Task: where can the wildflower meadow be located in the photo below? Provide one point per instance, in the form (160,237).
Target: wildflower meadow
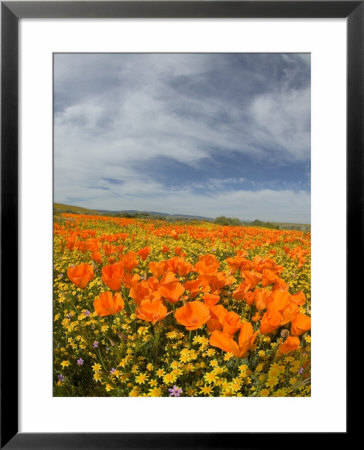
(150,308)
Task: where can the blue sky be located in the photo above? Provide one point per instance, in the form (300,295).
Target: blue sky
(205,134)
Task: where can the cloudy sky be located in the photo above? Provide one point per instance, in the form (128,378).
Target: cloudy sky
(202,134)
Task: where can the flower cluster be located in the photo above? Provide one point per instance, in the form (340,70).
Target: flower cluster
(151,308)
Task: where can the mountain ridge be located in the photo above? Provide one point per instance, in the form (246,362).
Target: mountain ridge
(70,208)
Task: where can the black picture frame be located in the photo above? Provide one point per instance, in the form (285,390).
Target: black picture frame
(11,12)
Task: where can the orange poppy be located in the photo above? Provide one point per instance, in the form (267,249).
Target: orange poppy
(96,257)
(231,323)
(144,252)
(170,288)
(207,265)
(269,277)
(217,315)
(291,344)
(218,312)
(213,324)
(81,275)
(278,300)
(238,262)
(271,320)
(129,261)
(252,278)
(196,286)
(300,324)
(106,303)
(168,277)
(249,297)
(261,297)
(266,263)
(179,251)
(109,249)
(246,338)
(193,315)
(143,290)
(289,312)
(92,245)
(217,282)
(112,274)
(71,240)
(240,291)
(226,342)
(228,281)
(299,298)
(129,279)
(80,245)
(157,268)
(151,310)
(179,266)
(210,299)
(139,291)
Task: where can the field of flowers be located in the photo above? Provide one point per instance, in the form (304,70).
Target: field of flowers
(145,307)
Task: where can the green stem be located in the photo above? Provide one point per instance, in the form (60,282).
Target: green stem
(156,343)
(101,359)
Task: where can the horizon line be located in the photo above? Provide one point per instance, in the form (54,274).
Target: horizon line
(180,214)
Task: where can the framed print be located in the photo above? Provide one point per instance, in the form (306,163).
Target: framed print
(171,161)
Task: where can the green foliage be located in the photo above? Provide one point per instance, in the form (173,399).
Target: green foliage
(222,220)
(259,223)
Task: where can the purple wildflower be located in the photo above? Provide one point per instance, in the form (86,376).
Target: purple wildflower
(175,391)
(112,370)
(300,370)
(87,312)
(60,377)
(80,362)
(95,344)
(60,275)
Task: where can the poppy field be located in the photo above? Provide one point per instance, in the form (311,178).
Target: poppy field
(151,308)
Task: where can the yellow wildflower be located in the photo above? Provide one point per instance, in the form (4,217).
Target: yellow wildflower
(169,378)
(96,367)
(97,376)
(206,390)
(155,392)
(140,379)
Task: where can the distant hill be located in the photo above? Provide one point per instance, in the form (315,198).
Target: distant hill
(60,208)
(155,213)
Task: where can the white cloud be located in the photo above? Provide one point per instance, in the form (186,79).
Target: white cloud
(282,122)
(114,114)
(147,194)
